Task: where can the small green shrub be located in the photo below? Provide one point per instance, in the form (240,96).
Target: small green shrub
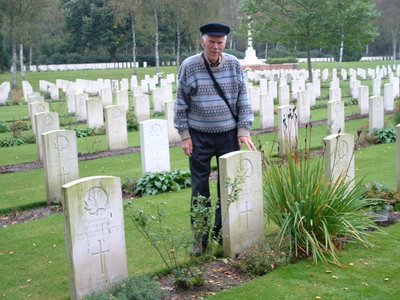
(4,127)
(262,258)
(155,183)
(385,135)
(133,288)
(17,126)
(23,139)
(89,132)
(351,101)
(281,60)
(171,245)
(131,123)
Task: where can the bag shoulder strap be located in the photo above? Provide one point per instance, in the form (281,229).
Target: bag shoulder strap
(218,87)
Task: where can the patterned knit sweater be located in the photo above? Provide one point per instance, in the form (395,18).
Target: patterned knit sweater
(198,104)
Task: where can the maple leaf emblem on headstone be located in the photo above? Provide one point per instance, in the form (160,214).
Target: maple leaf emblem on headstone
(96,200)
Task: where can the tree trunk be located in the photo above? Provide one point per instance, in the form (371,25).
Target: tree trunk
(133,43)
(178,45)
(310,77)
(21,61)
(156,40)
(266,51)
(14,61)
(341,52)
(30,55)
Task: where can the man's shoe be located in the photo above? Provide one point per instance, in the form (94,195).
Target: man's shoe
(198,249)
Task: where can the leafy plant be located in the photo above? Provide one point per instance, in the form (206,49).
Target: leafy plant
(131,123)
(89,132)
(155,183)
(262,258)
(4,127)
(17,126)
(315,215)
(133,288)
(23,139)
(169,244)
(385,135)
(380,196)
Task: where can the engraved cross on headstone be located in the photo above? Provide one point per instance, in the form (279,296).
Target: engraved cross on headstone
(102,254)
(63,174)
(245,211)
(158,158)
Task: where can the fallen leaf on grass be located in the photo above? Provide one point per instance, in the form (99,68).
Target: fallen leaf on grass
(386,279)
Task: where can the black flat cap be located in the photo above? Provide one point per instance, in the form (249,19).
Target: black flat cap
(215,29)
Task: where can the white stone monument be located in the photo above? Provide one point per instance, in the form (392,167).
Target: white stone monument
(116,129)
(154,146)
(339,157)
(243,218)
(44,122)
(60,161)
(94,234)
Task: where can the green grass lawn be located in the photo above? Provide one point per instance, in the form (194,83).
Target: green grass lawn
(33,255)
(33,260)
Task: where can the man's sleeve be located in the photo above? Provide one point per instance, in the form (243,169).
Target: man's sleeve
(182,105)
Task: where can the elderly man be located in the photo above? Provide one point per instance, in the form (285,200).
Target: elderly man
(213,115)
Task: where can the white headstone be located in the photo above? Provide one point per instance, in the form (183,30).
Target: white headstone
(303,107)
(243,219)
(106,96)
(35,108)
(95,115)
(273,89)
(116,130)
(70,97)
(154,146)
(335,94)
(396,87)
(284,95)
(266,111)
(94,234)
(376,87)
(142,107)
(336,118)
(363,102)
(60,161)
(287,128)
(376,113)
(44,122)
(122,99)
(388,96)
(4,91)
(173,135)
(26,88)
(339,157)
(80,106)
(254,95)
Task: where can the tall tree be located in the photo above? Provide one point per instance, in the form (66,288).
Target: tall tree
(389,22)
(288,21)
(92,24)
(351,23)
(311,24)
(18,15)
(128,9)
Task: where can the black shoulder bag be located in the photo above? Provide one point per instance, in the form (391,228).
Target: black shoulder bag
(218,88)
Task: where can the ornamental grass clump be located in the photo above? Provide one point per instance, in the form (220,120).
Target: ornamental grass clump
(315,215)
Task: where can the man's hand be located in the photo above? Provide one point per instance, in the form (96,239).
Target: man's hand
(187,147)
(247,141)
